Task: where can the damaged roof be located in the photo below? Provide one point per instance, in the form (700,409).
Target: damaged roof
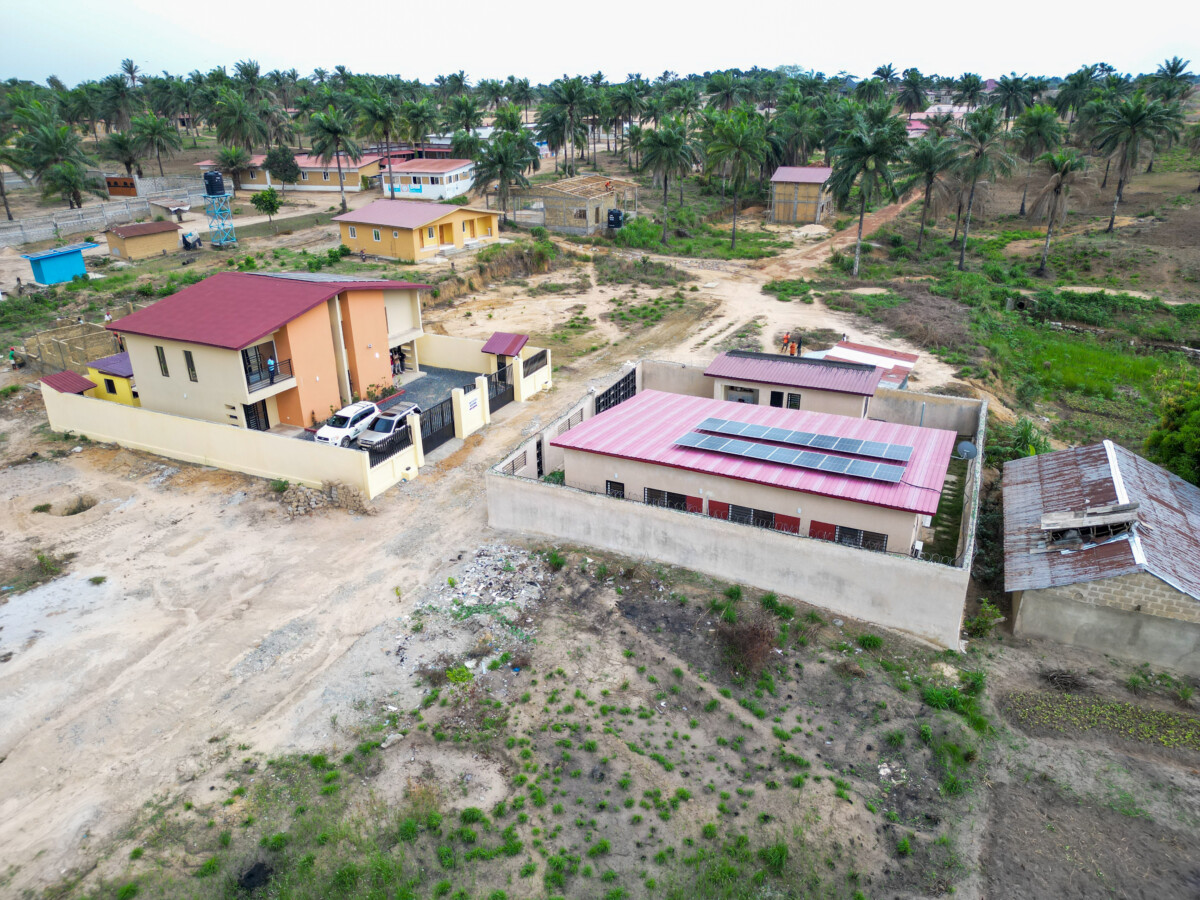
(1164,539)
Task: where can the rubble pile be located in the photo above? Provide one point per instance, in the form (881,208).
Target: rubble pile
(299,500)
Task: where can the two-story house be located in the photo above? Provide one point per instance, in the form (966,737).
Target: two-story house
(254,350)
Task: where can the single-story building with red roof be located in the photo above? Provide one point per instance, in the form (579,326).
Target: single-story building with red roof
(429,179)
(794,382)
(412,230)
(315,174)
(142,240)
(896,364)
(800,195)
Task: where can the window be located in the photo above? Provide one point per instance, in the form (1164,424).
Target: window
(670,500)
(395,234)
(162,362)
(430,229)
(435,180)
(793,401)
(856,537)
(597,215)
(253,175)
(615,489)
(464,227)
(777,398)
(375,233)
(191,365)
(110,386)
(304,176)
(353,232)
(745,515)
(324,176)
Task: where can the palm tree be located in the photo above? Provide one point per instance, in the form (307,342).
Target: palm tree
(569,97)
(725,91)
(927,161)
(628,105)
(332,135)
(1012,96)
(14,159)
(48,145)
(1066,168)
(912,96)
(117,101)
(1076,90)
(508,118)
(421,117)
(505,161)
(125,149)
(379,117)
(634,139)
(1037,131)
(983,155)
(237,120)
(968,90)
(130,70)
(157,136)
(870,90)
(466,145)
(864,157)
(551,129)
(492,92)
(234,160)
(1172,81)
(738,144)
(462,112)
(800,128)
(886,74)
(940,124)
(520,92)
(70,181)
(1126,128)
(668,152)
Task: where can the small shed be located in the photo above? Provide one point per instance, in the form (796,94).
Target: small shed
(58,265)
(112,377)
(174,208)
(143,240)
(68,382)
(576,205)
(799,195)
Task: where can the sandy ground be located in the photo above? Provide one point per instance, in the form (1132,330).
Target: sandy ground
(220,617)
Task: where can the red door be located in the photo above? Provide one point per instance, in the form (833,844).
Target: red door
(822,531)
(694,504)
(790,524)
(718,510)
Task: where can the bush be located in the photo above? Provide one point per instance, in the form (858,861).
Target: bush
(538,233)
(981,624)
(555,560)
(870,641)
(279,485)
(749,643)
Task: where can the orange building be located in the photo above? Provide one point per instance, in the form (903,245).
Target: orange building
(256,351)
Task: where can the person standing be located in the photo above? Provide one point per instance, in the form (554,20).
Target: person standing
(271,368)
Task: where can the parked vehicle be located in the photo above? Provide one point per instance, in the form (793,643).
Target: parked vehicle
(347,424)
(387,427)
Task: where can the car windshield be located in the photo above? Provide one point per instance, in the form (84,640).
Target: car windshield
(338,422)
(384,425)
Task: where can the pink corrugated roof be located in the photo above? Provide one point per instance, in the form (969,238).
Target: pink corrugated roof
(645,429)
(68,382)
(1165,541)
(401,213)
(436,166)
(235,309)
(802,174)
(796,371)
(502,343)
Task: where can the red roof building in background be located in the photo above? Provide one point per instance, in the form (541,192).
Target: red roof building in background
(797,372)
(896,365)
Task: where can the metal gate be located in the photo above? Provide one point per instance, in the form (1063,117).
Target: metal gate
(437,425)
(500,388)
(618,393)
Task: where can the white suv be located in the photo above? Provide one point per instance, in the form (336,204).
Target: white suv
(347,424)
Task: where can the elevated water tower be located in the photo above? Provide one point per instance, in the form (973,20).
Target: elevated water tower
(220,215)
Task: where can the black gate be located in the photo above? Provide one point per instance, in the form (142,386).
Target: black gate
(618,393)
(500,388)
(437,426)
(256,416)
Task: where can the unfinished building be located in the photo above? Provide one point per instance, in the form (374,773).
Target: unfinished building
(576,205)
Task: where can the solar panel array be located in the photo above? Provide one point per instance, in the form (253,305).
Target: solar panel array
(853,446)
(801,459)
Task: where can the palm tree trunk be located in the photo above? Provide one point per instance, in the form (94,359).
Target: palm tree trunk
(962,248)
(158,155)
(1107,166)
(924,211)
(4,198)
(733,242)
(664,211)
(957,220)
(1041,269)
(1025,190)
(387,147)
(1112,219)
(862,212)
(341,183)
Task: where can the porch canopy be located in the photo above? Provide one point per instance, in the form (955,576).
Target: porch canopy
(501,343)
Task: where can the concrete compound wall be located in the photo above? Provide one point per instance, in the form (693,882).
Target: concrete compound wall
(914,596)
(674,378)
(1137,617)
(957,414)
(236,449)
(445,352)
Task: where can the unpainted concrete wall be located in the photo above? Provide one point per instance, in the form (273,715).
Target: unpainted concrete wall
(1103,616)
(921,598)
(674,378)
(957,414)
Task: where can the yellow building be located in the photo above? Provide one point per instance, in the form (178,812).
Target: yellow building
(800,195)
(315,174)
(143,240)
(113,377)
(411,230)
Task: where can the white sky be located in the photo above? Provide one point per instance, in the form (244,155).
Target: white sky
(77,40)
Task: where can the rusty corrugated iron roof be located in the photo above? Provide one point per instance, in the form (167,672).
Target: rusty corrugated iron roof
(1164,541)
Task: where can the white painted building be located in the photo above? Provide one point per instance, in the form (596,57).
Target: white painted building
(432,179)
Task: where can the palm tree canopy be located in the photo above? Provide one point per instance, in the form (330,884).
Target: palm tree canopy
(332,134)
(1065,169)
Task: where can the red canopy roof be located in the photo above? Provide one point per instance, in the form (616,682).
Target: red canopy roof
(796,371)
(646,427)
(504,344)
(235,309)
(68,382)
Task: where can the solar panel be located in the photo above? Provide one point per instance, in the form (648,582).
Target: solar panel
(851,446)
(800,459)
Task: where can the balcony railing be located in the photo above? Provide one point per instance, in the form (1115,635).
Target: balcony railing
(264,377)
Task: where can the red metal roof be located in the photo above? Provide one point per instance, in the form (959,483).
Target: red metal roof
(401,213)
(1164,542)
(117,364)
(68,382)
(235,309)
(802,174)
(435,166)
(305,161)
(645,428)
(796,371)
(896,365)
(128,231)
(504,344)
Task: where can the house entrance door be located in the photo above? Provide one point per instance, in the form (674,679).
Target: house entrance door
(256,416)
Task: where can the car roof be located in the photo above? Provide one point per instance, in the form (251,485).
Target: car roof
(356,407)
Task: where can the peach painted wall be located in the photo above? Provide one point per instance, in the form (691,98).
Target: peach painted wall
(364,326)
(306,342)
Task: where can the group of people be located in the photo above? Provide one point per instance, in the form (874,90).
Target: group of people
(791,348)
(399,363)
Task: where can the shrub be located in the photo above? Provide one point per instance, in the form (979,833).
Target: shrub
(209,867)
(555,560)
(409,829)
(127,891)
(42,508)
(894,739)
(600,848)
(279,485)
(749,643)
(275,842)
(870,641)
(981,624)
(903,847)
(538,233)
(774,857)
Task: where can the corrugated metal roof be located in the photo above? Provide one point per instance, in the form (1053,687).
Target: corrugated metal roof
(235,309)
(796,371)
(502,343)
(128,231)
(645,428)
(435,166)
(68,382)
(1165,541)
(401,213)
(59,251)
(117,364)
(802,174)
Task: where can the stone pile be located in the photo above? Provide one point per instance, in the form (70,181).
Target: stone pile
(299,500)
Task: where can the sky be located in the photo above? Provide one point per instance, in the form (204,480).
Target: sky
(78,41)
